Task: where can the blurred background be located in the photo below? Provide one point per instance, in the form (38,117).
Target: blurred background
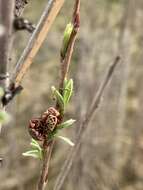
(111,153)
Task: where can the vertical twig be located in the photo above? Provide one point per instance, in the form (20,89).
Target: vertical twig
(67,59)
(6,20)
(47,151)
(64,71)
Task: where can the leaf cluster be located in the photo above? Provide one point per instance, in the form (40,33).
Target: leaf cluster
(62,100)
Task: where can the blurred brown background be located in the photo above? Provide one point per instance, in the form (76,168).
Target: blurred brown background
(111,154)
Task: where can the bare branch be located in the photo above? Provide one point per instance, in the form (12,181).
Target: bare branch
(44,173)
(95,103)
(6,20)
(99,93)
(64,71)
(38,37)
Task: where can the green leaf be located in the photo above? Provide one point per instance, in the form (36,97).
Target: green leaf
(59,97)
(35,145)
(36,150)
(33,153)
(4,117)
(34,142)
(66,124)
(65,82)
(65,139)
(67,35)
(68,90)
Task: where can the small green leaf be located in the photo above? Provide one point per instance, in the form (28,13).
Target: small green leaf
(35,145)
(68,90)
(36,150)
(66,124)
(59,97)
(34,141)
(33,153)
(4,117)
(65,82)
(67,35)
(65,139)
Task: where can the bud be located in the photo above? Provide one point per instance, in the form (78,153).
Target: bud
(40,128)
(67,35)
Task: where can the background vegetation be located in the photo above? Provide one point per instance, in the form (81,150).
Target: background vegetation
(111,153)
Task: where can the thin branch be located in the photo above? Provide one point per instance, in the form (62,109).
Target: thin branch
(66,62)
(46,161)
(67,59)
(99,93)
(6,20)
(64,71)
(95,104)
(38,37)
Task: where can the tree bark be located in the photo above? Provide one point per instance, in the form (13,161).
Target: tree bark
(6,20)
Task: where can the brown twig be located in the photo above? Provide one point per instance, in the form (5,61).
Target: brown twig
(52,9)
(99,93)
(95,103)
(9,9)
(67,59)
(46,161)
(6,39)
(64,71)
(6,20)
